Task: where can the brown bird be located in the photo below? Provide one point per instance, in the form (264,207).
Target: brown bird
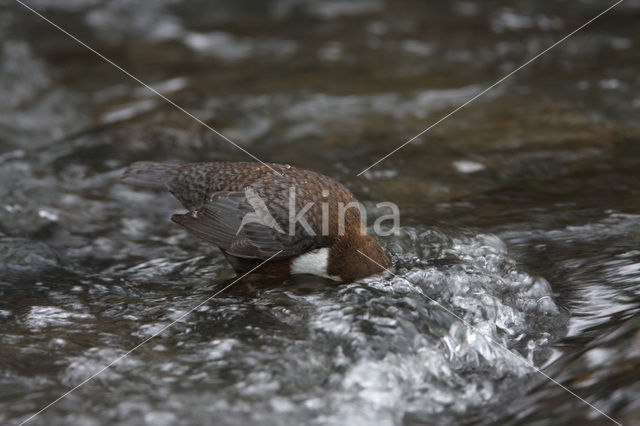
(303,222)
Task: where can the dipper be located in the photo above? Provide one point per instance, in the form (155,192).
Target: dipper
(307,221)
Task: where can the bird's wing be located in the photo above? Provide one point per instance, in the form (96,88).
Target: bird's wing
(243,226)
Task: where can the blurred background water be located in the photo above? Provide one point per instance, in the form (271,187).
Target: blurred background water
(520,213)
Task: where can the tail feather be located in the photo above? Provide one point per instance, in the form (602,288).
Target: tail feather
(148,174)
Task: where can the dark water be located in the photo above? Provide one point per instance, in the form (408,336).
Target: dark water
(520,213)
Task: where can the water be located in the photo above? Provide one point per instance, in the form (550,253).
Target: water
(519,214)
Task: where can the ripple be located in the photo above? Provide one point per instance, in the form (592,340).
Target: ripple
(41,317)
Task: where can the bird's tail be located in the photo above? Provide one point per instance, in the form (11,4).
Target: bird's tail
(148,174)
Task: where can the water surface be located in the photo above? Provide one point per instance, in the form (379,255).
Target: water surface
(520,214)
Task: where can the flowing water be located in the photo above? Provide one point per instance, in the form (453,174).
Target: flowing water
(520,214)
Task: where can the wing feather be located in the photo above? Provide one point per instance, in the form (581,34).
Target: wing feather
(222,221)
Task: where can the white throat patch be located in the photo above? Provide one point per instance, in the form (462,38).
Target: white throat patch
(314,262)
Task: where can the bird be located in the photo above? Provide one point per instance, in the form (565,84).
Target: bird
(268,218)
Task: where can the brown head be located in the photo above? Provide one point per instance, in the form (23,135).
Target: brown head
(354,256)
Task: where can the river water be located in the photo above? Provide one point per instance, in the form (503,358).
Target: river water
(520,213)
